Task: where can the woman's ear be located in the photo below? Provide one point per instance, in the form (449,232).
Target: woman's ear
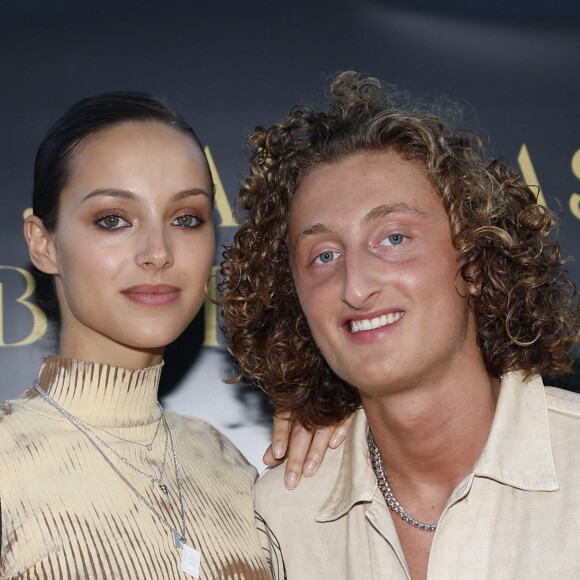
(41,246)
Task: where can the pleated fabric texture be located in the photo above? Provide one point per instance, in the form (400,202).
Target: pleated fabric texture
(67,514)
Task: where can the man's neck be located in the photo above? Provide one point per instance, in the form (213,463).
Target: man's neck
(432,435)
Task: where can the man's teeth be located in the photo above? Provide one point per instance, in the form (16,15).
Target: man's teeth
(370,324)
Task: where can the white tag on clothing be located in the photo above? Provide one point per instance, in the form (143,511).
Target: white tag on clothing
(190,561)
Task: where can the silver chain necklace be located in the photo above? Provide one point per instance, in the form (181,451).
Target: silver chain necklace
(386,490)
(148,446)
(179,537)
(88,430)
(154,480)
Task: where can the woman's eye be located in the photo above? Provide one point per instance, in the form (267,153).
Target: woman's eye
(326,257)
(112,222)
(186,221)
(393,240)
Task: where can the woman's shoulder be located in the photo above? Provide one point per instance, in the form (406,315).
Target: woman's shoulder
(204,440)
(15,419)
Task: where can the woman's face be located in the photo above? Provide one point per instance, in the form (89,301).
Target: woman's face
(134,243)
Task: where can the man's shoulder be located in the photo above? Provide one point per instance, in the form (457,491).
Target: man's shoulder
(562,402)
(272,496)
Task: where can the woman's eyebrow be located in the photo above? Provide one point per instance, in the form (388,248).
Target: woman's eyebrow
(126,194)
(110,192)
(191,193)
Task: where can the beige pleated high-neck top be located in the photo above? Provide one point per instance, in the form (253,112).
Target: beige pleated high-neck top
(66,513)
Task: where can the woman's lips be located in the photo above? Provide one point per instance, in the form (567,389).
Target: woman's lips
(152,294)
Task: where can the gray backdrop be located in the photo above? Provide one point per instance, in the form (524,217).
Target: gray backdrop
(231,65)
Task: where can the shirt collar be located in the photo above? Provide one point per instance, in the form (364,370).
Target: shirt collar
(518,451)
(355,481)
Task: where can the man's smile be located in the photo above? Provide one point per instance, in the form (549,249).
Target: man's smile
(372,323)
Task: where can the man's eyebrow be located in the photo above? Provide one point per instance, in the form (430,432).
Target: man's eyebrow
(126,194)
(391,208)
(374,214)
(311,231)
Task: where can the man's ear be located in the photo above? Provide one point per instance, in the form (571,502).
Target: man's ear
(474,289)
(41,246)
(474,273)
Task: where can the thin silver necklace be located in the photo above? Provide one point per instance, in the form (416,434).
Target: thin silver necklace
(179,537)
(154,480)
(386,490)
(85,427)
(88,430)
(148,446)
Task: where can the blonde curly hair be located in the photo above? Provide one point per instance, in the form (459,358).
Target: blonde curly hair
(526,310)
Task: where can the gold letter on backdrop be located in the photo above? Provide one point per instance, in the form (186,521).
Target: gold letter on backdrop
(38,316)
(529,173)
(227,220)
(210,312)
(221,199)
(575,197)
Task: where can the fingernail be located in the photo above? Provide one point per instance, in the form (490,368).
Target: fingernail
(278,450)
(335,441)
(309,468)
(291,480)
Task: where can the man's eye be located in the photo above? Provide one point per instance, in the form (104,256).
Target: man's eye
(326,257)
(393,240)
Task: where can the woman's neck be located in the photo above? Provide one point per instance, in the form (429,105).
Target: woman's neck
(111,353)
(101,394)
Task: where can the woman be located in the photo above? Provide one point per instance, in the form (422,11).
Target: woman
(97,480)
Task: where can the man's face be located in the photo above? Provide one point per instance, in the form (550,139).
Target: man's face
(377,275)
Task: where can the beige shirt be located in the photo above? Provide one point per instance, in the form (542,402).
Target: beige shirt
(516,516)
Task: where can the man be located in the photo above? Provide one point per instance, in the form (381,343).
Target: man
(385,263)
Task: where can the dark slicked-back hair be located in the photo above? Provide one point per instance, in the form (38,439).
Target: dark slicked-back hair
(526,310)
(78,124)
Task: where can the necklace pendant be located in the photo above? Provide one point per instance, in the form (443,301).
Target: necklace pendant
(178,539)
(190,561)
(149,447)
(165,491)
